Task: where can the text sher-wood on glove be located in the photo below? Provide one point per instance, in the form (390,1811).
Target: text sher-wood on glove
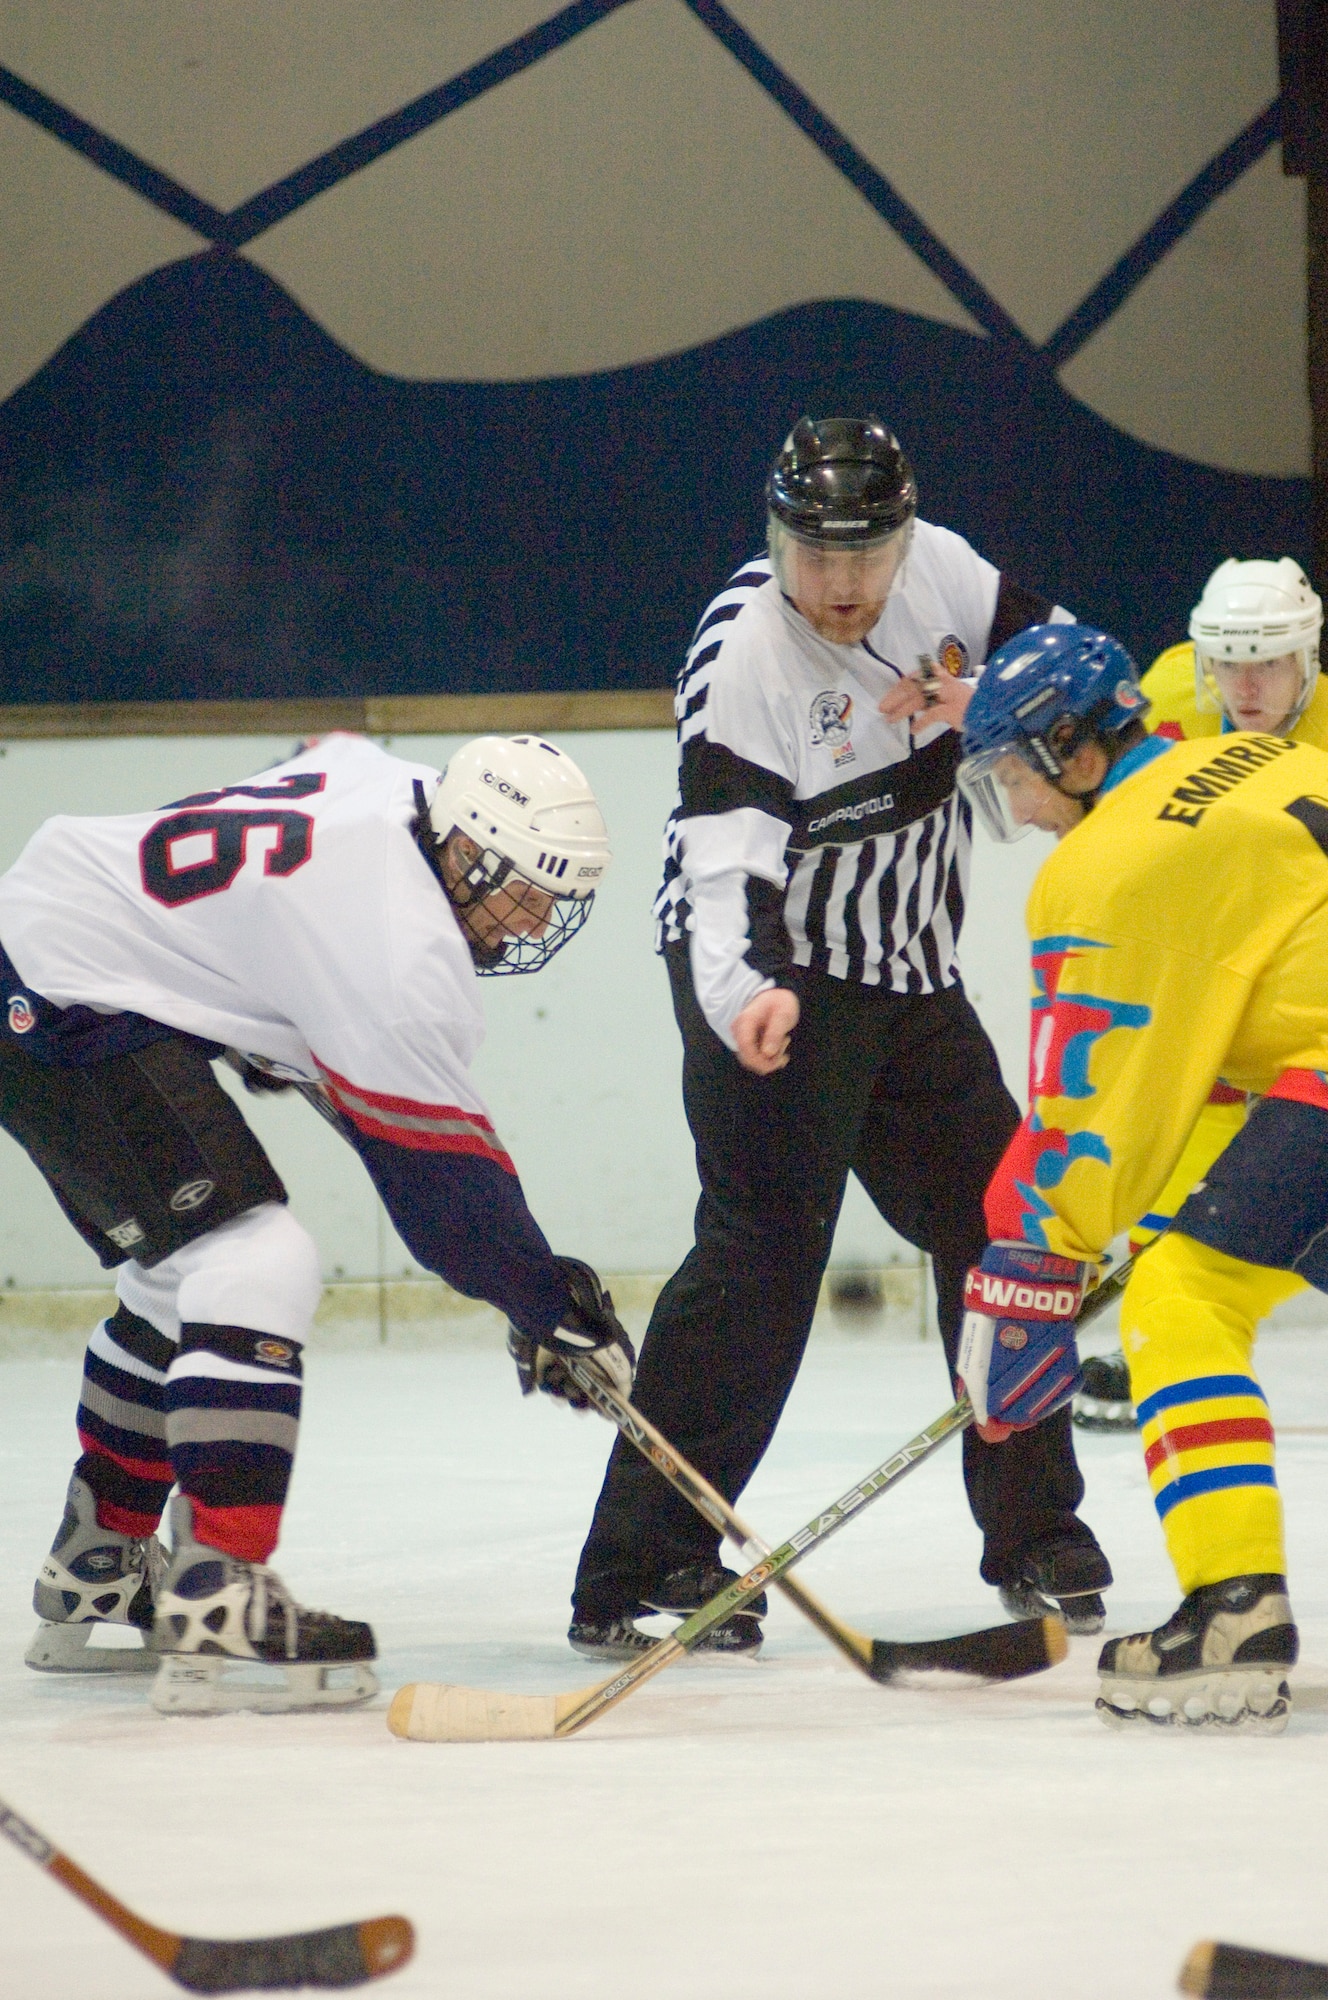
(1017,1354)
(589,1329)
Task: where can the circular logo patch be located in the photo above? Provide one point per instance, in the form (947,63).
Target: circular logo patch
(274,1351)
(1013,1336)
(21,1015)
(192,1195)
(831,717)
(952,655)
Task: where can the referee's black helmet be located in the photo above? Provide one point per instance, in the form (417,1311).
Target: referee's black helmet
(842,481)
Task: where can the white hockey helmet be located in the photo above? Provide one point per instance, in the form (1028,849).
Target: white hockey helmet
(534,818)
(1253,611)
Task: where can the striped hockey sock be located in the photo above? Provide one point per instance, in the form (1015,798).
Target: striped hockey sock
(122,1423)
(232,1417)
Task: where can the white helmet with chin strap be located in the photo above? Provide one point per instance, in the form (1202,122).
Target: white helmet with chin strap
(1253,611)
(533,816)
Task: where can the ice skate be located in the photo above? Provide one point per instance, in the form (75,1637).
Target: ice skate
(231,1636)
(1062,1580)
(683,1591)
(1219,1662)
(94,1596)
(1102,1402)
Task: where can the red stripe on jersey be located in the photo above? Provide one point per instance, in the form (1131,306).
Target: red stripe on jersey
(1171,730)
(1302,1086)
(1197,1437)
(410,1122)
(1226,1093)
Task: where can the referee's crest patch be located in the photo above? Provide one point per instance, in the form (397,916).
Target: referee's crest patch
(831,719)
(952,655)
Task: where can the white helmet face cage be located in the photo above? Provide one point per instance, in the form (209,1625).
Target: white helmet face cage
(1252,612)
(543,846)
(558,918)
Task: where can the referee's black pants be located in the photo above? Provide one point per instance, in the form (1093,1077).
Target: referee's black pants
(903,1089)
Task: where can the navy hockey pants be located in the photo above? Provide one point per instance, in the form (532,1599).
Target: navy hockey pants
(903,1090)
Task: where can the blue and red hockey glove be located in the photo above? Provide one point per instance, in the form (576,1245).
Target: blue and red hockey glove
(1017,1357)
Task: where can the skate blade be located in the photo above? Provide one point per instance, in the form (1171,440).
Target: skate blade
(220,1684)
(1252,1701)
(1080,1623)
(91,1648)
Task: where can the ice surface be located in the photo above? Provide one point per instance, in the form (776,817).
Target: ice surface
(758,1832)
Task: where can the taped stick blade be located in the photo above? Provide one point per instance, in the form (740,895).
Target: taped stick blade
(437,1712)
(998,1653)
(1237,1972)
(345,1955)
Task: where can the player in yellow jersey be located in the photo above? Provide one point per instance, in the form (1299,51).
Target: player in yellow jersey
(1251,662)
(1179,930)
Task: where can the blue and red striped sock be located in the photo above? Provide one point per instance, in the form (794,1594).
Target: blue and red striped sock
(122,1423)
(232,1405)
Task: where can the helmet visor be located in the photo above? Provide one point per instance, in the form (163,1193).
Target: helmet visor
(1008,795)
(822,573)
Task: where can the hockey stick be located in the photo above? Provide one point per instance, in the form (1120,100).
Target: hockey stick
(437,1712)
(989,1654)
(346,1955)
(1235,1972)
(434,1712)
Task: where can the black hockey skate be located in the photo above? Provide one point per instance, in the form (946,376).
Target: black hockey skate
(1219,1662)
(682,1592)
(1064,1580)
(94,1596)
(1102,1400)
(232,1637)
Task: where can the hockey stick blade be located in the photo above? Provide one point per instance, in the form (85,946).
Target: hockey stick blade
(345,1955)
(1236,1972)
(1002,1652)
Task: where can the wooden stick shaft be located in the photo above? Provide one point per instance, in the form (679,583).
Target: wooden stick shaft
(711,1504)
(162,1947)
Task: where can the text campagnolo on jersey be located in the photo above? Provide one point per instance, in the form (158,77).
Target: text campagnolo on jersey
(864,810)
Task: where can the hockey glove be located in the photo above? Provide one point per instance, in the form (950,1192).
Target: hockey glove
(589,1328)
(1017,1357)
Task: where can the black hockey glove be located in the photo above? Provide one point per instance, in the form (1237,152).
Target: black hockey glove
(589,1328)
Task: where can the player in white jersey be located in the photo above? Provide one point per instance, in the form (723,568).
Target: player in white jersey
(816,864)
(321,925)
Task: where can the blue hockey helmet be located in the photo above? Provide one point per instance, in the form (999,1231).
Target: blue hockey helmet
(1042,695)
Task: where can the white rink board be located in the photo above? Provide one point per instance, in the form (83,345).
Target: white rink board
(780,1830)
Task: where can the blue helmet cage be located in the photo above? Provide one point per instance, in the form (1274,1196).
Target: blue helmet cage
(1042,695)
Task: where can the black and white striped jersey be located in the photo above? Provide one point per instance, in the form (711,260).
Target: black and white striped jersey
(808,831)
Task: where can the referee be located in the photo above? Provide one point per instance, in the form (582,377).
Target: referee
(816,863)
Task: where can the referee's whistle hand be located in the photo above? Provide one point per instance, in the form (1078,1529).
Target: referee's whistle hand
(948,703)
(761,1032)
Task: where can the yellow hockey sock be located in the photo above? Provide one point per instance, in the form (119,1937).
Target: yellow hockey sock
(1188,1320)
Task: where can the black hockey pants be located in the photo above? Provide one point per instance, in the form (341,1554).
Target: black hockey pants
(906,1092)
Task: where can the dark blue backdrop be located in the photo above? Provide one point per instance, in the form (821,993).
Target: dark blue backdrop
(207,497)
